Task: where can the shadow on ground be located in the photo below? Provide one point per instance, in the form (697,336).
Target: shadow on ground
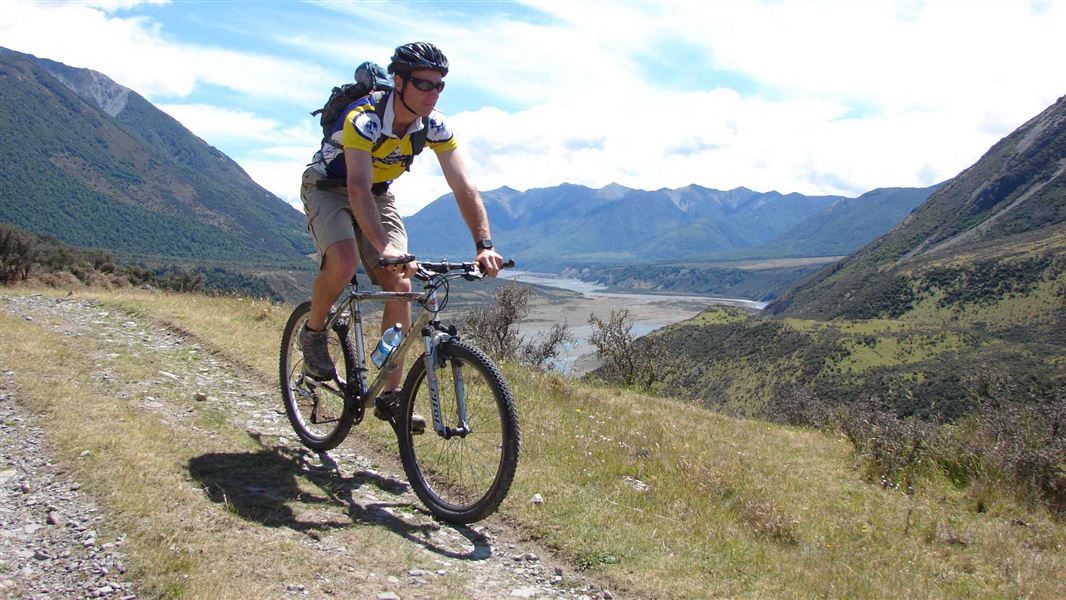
(265,487)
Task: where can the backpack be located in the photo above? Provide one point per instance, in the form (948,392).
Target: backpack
(370,79)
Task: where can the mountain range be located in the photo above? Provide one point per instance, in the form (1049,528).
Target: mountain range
(572,224)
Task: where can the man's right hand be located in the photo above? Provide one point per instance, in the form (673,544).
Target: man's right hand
(391,254)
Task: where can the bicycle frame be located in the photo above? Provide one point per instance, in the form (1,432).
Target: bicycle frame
(432,335)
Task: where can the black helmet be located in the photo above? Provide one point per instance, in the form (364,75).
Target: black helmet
(416,56)
(372,76)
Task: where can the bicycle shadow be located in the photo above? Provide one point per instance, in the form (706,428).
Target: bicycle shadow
(264,487)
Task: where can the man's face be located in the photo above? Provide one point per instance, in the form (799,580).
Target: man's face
(421,90)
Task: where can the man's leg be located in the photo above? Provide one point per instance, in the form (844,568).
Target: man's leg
(338,266)
(329,221)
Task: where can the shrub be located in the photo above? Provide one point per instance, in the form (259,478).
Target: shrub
(494,328)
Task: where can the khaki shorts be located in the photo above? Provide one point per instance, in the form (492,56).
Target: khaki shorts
(329,220)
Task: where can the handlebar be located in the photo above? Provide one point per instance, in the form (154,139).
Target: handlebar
(427,269)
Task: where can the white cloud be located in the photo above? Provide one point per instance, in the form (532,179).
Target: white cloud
(213,122)
(129,50)
(135,52)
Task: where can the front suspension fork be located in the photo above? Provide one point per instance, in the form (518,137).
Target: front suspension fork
(433,340)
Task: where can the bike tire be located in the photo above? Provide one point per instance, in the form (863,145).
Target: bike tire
(320,418)
(461,479)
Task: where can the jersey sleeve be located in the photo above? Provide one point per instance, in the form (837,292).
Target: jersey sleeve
(440,137)
(361,129)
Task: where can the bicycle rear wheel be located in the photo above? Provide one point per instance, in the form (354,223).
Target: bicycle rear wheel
(461,479)
(317,410)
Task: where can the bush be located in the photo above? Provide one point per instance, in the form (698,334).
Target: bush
(494,329)
(625,361)
(1013,447)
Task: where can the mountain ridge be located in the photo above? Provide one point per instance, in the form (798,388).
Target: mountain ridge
(136,183)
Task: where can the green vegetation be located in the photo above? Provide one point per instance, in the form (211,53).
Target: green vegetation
(25,256)
(926,389)
(138,185)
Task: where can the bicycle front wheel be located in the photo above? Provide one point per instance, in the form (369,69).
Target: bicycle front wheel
(317,410)
(461,478)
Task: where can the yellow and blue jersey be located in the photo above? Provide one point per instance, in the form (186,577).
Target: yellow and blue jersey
(362,127)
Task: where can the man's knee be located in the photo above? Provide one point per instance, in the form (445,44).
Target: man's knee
(341,258)
(392,281)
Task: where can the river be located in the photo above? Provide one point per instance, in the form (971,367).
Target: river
(648,312)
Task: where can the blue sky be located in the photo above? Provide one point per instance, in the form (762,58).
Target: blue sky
(810,97)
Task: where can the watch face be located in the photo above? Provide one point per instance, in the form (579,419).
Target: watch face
(484,245)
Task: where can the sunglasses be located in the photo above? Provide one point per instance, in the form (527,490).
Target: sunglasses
(426,85)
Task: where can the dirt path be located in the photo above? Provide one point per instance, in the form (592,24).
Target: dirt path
(47,525)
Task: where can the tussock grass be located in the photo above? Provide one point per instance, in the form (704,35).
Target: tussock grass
(659,498)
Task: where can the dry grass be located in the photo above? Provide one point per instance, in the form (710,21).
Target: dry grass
(732,508)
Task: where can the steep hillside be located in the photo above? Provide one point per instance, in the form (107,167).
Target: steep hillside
(959,309)
(996,229)
(104,168)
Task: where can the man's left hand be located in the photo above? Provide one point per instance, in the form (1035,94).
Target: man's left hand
(490,261)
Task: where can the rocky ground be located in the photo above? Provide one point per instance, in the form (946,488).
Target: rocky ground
(48,542)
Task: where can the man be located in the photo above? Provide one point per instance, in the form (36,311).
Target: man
(371,147)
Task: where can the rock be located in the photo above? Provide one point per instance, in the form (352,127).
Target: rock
(637,484)
(418,573)
(200,397)
(524,593)
(536,499)
(387,596)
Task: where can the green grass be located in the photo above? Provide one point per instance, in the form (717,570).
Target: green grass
(733,507)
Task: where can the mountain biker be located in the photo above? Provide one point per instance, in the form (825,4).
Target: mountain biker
(368,167)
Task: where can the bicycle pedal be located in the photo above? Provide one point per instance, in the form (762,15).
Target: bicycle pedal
(418,426)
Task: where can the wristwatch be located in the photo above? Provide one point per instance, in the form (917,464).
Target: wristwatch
(485,244)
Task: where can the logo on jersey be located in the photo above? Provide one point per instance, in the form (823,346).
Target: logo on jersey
(438,130)
(366,125)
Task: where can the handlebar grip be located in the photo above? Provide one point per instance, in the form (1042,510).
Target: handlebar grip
(508,265)
(406,258)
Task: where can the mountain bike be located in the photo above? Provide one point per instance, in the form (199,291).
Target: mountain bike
(463,467)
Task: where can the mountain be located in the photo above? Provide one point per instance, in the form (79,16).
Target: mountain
(619,225)
(995,232)
(94,164)
(848,225)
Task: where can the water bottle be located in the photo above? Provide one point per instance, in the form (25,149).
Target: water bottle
(389,341)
